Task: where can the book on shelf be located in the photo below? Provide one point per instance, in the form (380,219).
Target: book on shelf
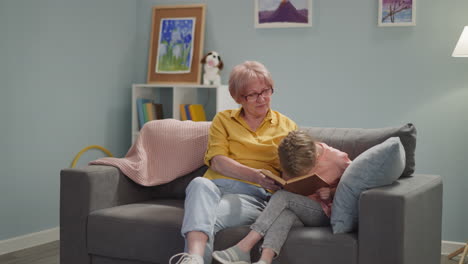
(147,110)
(187,111)
(194,112)
(145,114)
(183,115)
(159,114)
(303,185)
(150,111)
(141,115)
(197,112)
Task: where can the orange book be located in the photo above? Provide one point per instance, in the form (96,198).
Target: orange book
(150,110)
(183,114)
(197,112)
(303,185)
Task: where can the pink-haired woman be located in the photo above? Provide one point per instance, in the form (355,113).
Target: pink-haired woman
(233,191)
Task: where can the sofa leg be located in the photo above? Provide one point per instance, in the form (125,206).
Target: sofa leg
(457,252)
(464,254)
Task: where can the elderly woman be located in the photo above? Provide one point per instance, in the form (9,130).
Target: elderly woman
(241,142)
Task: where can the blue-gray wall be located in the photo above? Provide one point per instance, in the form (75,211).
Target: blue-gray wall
(66,68)
(347,72)
(69,64)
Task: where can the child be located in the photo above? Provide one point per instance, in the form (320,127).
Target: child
(299,154)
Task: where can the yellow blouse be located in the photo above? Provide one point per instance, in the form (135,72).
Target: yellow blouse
(230,136)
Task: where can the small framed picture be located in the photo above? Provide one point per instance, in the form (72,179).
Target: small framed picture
(397,13)
(176,44)
(283,13)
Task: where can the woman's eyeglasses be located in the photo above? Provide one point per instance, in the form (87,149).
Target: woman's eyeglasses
(254,96)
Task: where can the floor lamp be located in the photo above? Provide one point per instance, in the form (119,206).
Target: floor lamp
(461,50)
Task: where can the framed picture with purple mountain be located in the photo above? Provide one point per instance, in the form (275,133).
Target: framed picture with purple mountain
(283,13)
(397,13)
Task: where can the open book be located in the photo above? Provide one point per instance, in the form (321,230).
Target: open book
(304,185)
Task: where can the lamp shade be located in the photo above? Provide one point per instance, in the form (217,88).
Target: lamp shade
(461,49)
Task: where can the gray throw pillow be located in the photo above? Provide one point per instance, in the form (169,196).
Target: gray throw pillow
(377,166)
(355,141)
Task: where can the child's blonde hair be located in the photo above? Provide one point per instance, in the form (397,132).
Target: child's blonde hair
(297,153)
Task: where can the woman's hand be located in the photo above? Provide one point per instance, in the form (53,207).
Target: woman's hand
(324,193)
(234,169)
(266,182)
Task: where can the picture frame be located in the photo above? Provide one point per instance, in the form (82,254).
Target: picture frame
(397,13)
(176,44)
(282,13)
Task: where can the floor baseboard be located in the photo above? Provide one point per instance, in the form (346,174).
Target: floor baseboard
(29,240)
(450,246)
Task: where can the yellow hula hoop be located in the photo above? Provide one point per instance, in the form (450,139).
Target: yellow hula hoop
(77,157)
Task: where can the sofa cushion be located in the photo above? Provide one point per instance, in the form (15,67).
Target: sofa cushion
(176,188)
(375,167)
(319,245)
(304,245)
(354,141)
(148,231)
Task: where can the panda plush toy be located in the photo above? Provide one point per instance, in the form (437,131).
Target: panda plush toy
(212,64)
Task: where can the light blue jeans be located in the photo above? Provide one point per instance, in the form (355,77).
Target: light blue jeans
(213,205)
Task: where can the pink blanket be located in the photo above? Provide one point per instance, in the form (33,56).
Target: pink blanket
(165,150)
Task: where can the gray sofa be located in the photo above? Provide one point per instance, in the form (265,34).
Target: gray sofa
(106,218)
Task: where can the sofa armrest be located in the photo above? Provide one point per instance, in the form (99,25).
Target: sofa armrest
(84,190)
(401,223)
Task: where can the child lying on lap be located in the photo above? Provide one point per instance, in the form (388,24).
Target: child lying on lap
(299,154)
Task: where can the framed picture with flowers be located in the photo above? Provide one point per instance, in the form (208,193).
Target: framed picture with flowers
(176,44)
(397,13)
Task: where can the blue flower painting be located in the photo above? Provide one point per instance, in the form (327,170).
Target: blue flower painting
(175,50)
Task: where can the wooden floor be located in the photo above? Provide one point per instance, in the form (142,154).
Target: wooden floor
(43,254)
(49,254)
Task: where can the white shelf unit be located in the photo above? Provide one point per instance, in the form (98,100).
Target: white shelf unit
(213,98)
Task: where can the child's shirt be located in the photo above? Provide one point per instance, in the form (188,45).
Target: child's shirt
(331,164)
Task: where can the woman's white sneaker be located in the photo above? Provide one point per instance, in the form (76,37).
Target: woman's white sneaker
(185,258)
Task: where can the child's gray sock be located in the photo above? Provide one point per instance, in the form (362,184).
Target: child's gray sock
(232,254)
